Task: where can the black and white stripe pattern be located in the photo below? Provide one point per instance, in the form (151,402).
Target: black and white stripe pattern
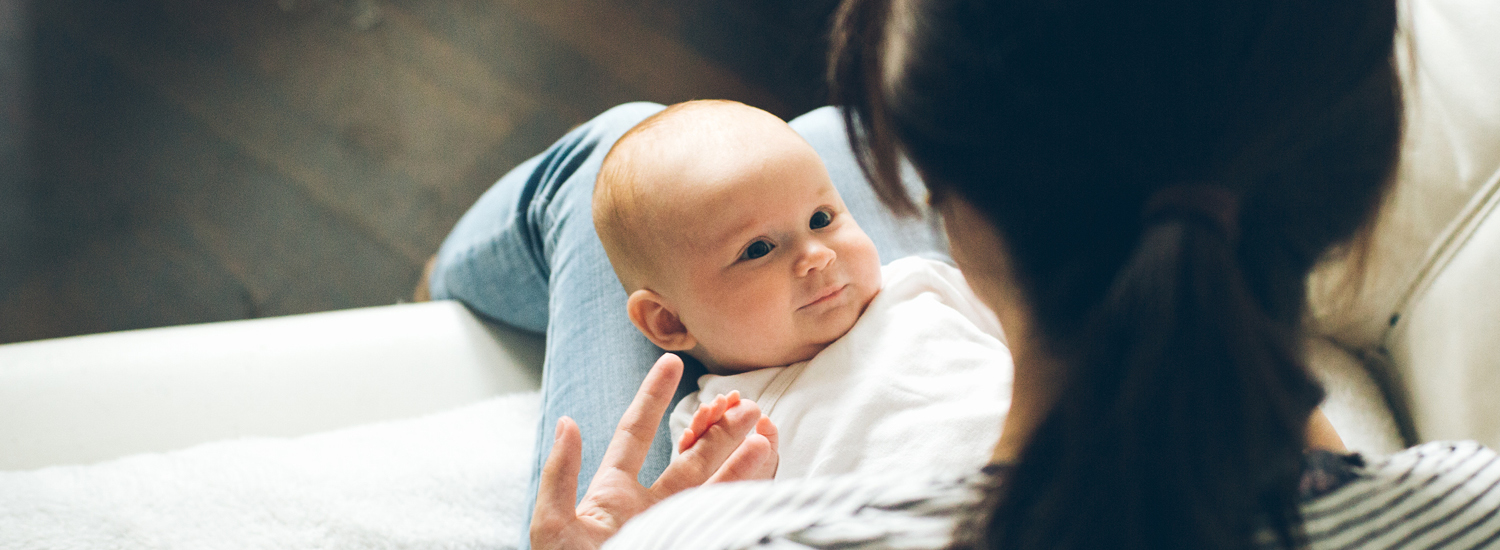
(1438,495)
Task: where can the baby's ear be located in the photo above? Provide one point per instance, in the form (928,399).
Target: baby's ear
(651,315)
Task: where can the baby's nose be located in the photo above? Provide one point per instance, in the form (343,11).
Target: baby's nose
(816,257)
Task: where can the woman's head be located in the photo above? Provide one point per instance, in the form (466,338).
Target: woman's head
(1062,125)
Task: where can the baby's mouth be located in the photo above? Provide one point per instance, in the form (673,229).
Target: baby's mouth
(827,295)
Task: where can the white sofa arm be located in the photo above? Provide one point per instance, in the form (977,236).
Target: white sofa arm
(90,398)
(1446,340)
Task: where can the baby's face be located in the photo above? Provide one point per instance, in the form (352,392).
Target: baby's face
(770,266)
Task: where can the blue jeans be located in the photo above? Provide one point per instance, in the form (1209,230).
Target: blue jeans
(526,255)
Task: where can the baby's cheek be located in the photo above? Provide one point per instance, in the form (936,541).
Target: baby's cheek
(858,244)
(753,315)
(867,261)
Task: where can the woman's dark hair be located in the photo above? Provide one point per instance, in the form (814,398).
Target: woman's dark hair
(1181,421)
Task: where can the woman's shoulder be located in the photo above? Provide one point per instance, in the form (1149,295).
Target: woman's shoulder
(823,512)
(1435,495)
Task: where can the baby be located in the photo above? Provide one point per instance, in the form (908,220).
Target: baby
(735,248)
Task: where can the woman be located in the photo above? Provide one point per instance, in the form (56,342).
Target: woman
(1139,191)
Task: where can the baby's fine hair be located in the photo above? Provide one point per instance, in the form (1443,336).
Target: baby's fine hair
(623,194)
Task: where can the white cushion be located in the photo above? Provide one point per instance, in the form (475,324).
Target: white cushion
(1446,344)
(90,398)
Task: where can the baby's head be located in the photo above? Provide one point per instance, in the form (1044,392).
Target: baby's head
(733,244)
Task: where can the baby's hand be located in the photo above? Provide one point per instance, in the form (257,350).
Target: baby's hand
(765,434)
(706,415)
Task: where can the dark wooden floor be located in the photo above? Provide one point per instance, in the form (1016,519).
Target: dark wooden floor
(184,161)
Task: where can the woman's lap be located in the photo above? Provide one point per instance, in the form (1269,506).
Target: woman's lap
(526,254)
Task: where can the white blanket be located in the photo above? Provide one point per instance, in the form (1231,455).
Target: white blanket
(450,480)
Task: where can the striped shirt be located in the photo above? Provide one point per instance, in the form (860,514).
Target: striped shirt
(1437,495)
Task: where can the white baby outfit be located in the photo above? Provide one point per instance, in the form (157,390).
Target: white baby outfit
(922,381)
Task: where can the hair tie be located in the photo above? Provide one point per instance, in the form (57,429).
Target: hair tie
(1216,206)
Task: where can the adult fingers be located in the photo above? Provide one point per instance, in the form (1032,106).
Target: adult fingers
(714,446)
(754,459)
(555,504)
(632,439)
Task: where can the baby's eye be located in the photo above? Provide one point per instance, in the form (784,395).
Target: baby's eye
(756,250)
(820,219)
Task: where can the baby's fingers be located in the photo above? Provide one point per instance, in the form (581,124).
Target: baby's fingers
(702,419)
(706,415)
(707,455)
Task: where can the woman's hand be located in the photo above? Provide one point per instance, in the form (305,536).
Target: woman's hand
(726,451)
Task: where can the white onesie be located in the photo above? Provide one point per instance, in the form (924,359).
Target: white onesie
(921,382)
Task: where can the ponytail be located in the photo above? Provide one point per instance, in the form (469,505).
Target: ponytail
(1182,417)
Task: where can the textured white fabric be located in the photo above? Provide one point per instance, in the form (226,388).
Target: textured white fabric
(926,362)
(450,480)
(1355,405)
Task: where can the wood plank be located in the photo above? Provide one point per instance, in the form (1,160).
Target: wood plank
(609,36)
(396,90)
(288,252)
(780,45)
(520,51)
(17,121)
(144,278)
(366,139)
(160,221)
